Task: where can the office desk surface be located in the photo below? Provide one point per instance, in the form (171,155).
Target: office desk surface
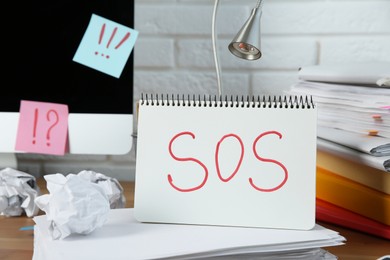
(16,244)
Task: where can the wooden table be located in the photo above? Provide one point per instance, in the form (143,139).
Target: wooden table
(16,244)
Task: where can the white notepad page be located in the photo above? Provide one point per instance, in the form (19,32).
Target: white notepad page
(247,163)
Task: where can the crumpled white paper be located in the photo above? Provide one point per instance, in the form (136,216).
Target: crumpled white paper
(74,205)
(111,187)
(384,82)
(18,191)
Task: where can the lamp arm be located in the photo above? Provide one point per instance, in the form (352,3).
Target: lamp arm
(215,51)
(239,46)
(259,4)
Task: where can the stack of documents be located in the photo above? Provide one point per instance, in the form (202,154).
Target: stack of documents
(369,150)
(123,237)
(353,103)
(355,108)
(353,143)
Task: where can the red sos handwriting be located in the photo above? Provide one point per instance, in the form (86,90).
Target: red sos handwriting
(217,163)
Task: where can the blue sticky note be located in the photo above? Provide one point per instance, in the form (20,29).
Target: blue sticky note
(106,46)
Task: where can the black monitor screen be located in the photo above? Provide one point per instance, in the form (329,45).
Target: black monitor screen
(41,38)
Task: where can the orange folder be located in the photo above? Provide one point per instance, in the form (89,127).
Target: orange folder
(353,196)
(358,172)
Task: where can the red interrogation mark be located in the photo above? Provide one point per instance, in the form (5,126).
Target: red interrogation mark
(127,35)
(51,111)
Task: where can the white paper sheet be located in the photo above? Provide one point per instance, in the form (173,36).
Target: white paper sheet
(373,145)
(122,237)
(381,163)
(352,73)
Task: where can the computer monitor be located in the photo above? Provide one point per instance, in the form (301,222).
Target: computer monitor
(42,38)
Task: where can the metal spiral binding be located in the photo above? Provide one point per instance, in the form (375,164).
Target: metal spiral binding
(265,101)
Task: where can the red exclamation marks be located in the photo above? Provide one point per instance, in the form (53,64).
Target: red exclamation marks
(112,36)
(101,35)
(123,40)
(101,38)
(35,125)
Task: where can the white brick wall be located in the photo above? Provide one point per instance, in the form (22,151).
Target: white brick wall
(174,55)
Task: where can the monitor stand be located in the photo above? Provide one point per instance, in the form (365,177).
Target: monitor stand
(8,160)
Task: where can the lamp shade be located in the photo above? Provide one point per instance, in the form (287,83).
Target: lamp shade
(246,44)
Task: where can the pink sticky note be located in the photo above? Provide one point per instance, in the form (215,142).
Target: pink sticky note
(43,128)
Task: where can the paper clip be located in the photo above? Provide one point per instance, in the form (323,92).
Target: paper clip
(373,132)
(377,117)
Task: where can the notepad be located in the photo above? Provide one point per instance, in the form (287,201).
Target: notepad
(230,161)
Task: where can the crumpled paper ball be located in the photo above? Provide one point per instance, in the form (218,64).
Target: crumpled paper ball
(18,191)
(74,205)
(111,187)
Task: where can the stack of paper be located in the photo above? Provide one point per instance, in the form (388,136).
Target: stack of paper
(353,108)
(123,237)
(353,143)
(362,149)
(365,73)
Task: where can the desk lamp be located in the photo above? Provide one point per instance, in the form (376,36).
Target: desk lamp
(246,44)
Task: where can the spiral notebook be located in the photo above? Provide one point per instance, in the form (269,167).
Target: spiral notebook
(229,161)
